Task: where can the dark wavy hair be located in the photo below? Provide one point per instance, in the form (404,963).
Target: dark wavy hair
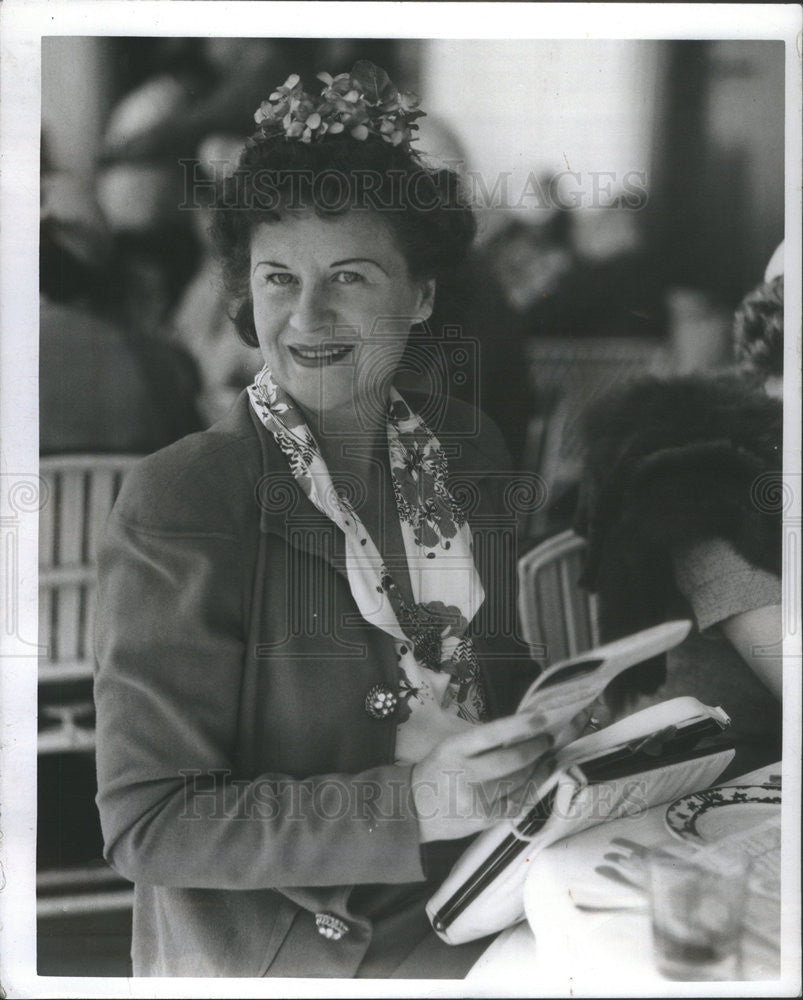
(758,329)
(426,208)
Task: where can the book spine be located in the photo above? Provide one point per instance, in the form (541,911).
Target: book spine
(497,861)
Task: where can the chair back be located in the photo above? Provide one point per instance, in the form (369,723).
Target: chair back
(80,492)
(558,619)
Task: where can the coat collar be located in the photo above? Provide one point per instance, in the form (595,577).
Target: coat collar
(286,511)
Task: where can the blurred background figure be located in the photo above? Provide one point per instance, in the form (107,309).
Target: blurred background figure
(201,324)
(101,388)
(676,504)
(556,290)
(473,327)
(758,335)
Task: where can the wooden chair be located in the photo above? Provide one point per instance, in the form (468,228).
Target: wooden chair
(80,492)
(558,619)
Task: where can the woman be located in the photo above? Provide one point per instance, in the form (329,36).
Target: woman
(291,671)
(682,505)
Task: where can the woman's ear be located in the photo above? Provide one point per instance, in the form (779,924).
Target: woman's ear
(427,301)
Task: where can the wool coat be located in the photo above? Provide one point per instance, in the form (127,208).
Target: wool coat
(241,780)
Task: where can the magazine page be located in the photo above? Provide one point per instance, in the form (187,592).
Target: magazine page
(566,688)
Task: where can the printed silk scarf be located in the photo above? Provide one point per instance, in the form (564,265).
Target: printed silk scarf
(440,690)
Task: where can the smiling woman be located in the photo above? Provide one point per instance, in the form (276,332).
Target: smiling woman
(296,694)
(333,302)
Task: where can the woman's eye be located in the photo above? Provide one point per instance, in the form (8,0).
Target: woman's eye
(348,277)
(279,278)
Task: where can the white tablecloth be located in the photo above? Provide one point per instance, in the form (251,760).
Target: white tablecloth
(567,951)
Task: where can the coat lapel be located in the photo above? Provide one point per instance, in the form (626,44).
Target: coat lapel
(286,511)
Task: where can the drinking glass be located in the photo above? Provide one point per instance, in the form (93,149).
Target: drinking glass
(697,906)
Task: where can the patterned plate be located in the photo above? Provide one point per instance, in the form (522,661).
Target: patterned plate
(710,815)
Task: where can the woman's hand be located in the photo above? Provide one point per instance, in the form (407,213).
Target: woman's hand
(471,781)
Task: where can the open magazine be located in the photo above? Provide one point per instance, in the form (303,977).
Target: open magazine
(649,757)
(566,688)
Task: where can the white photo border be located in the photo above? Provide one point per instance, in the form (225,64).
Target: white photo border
(22,25)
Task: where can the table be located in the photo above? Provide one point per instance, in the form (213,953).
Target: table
(567,951)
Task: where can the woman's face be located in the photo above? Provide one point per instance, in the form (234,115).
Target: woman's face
(333,306)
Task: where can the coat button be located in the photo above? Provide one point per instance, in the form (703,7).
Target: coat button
(330,926)
(380,701)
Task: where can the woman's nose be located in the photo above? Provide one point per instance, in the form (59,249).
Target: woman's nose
(313,310)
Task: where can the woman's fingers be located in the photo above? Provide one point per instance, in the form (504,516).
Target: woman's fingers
(462,785)
(574,727)
(509,797)
(500,734)
(505,761)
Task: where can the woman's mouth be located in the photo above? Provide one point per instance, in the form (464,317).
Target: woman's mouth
(316,357)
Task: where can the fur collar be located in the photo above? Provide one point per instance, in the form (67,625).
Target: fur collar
(670,462)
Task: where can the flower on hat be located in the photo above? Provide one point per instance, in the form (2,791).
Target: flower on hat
(363,102)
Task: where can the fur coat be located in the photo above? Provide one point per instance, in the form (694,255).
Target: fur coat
(669,463)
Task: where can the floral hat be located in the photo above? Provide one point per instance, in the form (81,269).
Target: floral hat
(361,103)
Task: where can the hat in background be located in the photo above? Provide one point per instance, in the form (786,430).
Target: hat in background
(138,196)
(219,153)
(775,266)
(152,104)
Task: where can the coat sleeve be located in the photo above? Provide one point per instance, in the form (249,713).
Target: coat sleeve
(169,648)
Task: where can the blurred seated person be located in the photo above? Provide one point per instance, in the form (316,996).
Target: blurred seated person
(156,250)
(550,293)
(556,290)
(100,390)
(680,502)
(758,336)
(471,349)
(476,337)
(201,324)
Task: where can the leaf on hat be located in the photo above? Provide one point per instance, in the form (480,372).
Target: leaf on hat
(374,82)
